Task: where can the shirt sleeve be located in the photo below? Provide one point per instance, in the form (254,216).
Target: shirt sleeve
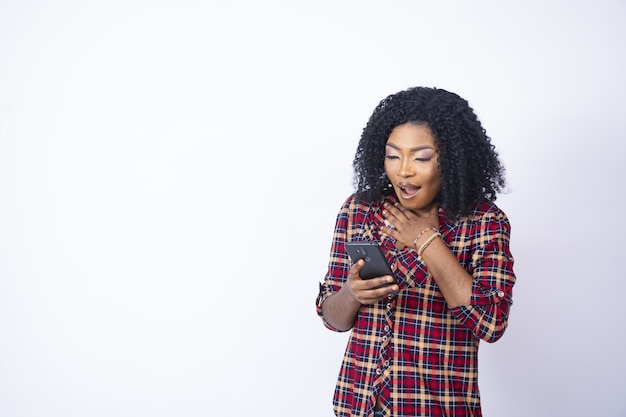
(338,264)
(493,278)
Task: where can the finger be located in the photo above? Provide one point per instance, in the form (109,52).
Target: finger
(381,281)
(390,212)
(394,217)
(384,289)
(403,213)
(397,210)
(356,267)
(389,231)
(381,291)
(391,221)
(373,284)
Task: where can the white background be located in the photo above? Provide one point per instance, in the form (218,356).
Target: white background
(170,172)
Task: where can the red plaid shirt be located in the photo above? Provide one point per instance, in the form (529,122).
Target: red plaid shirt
(412,351)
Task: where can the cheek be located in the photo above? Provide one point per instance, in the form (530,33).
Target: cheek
(437,186)
(434,180)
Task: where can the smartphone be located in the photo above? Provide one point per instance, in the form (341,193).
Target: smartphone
(375,262)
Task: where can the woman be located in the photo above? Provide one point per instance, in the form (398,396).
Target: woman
(426,175)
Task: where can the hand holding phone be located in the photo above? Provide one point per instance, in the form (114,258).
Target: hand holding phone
(375,262)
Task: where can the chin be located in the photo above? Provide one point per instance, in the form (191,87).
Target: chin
(410,204)
(415,205)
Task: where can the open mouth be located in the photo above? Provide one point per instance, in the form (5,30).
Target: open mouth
(408,190)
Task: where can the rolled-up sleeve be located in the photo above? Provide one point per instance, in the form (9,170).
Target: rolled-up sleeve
(324,292)
(339,263)
(492,270)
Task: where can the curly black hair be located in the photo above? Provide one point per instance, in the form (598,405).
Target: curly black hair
(471,171)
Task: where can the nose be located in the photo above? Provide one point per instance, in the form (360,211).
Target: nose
(405,169)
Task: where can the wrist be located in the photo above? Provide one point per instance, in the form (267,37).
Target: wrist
(348,297)
(423,236)
(427,243)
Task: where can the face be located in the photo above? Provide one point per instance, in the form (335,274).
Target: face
(411,164)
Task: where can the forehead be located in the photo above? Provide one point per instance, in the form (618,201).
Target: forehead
(411,136)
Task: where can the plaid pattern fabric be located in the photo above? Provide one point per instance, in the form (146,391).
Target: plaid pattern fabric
(412,351)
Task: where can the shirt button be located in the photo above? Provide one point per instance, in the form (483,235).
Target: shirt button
(388,306)
(386,363)
(384,338)
(500,293)
(387,328)
(378,372)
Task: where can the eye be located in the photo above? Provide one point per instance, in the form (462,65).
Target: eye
(392,157)
(424,156)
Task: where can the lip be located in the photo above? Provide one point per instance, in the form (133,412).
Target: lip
(408,190)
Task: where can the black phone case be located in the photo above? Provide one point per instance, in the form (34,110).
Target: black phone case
(375,262)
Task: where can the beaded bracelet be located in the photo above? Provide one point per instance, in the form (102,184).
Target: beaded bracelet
(421,233)
(428,242)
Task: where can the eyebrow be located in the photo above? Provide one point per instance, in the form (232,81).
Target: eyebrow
(417,148)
